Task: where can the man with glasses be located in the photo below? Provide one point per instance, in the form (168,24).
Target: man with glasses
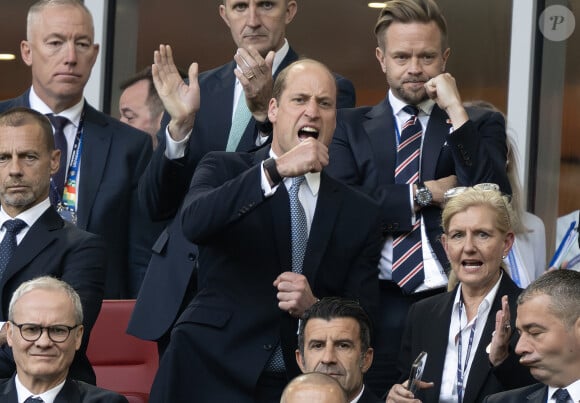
(406,152)
(34,239)
(45,330)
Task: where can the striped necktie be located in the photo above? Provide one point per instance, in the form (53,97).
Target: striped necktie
(407,252)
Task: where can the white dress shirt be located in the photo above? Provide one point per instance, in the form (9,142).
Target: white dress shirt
(47,397)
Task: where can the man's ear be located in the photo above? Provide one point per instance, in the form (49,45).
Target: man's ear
(367,360)
(26,52)
(299,360)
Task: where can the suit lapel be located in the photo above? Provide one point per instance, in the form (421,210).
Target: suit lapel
(326,212)
(221,87)
(538,396)
(69,393)
(380,129)
(433,142)
(437,349)
(38,237)
(96,143)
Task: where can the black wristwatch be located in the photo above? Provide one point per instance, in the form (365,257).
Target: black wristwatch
(270,166)
(423,196)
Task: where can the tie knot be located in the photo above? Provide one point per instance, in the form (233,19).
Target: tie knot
(14,226)
(561,396)
(296,182)
(59,122)
(411,110)
(32,399)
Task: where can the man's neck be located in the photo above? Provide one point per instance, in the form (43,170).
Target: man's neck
(37,386)
(55,104)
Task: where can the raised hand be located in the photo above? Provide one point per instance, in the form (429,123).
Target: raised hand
(255,75)
(179,99)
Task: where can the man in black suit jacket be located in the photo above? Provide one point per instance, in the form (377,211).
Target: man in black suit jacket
(455,150)
(259,33)
(44,331)
(334,337)
(229,343)
(113,155)
(549,325)
(47,245)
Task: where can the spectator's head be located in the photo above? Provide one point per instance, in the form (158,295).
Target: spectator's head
(258,24)
(45,329)
(313,387)
(27,159)
(140,105)
(303,105)
(59,49)
(549,325)
(412,46)
(334,338)
(477,234)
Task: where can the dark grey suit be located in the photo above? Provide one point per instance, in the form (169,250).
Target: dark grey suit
(71,392)
(113,157)
(537,393)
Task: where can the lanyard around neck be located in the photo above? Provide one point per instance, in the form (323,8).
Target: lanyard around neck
(461,371)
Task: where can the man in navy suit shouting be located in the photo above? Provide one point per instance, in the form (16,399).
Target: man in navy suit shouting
(275,233)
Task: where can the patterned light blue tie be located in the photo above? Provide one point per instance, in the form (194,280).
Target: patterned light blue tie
(407,251)
(561,396)
(299,229)
(298,225)
(8,244)
(240,121)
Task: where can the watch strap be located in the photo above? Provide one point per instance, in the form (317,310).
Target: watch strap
(270,166)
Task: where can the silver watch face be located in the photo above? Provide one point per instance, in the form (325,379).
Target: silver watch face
(423,197)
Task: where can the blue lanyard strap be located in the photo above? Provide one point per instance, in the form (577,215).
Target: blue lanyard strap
(460,370)
(514,268)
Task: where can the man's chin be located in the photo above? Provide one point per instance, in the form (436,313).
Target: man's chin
(411,97)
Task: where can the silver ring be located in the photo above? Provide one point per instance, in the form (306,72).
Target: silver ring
(250,76)
(507,326)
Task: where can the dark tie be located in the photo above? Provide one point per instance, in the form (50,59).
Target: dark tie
(59,123)
(298,225)
(407,254)
(561,396)
(34,400)
(8,244)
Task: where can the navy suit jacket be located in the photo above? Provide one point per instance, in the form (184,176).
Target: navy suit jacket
(229,330)
(369,397)
(170,281)
(537,393)
(363,154)
(113,157)
(55,247)
(427,329)
(72,392)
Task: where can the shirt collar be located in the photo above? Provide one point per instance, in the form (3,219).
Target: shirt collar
(573,389)
(312,178)
(48,396)
(426,106)
(73,114)
(357,398)
(487,301)
(29,216)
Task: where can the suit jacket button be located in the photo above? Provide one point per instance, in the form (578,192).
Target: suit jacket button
(191,257)
(267,347)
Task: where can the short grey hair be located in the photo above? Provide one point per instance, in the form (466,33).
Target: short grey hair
(40,5)
(52,284)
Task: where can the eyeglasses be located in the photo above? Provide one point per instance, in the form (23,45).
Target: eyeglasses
(451,193)
(56,333)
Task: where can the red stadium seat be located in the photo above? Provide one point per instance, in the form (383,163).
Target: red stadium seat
(122,363)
